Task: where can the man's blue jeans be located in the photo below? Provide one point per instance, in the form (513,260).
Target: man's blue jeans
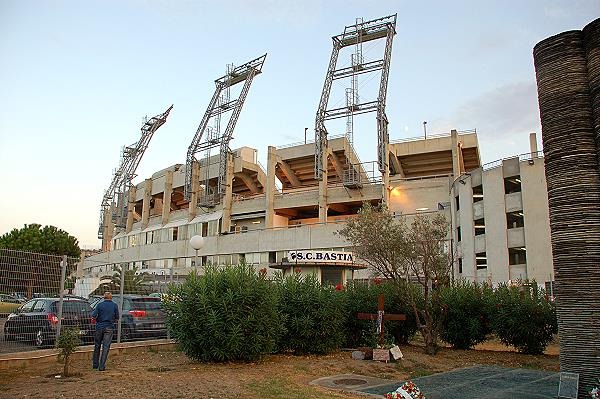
(103,337)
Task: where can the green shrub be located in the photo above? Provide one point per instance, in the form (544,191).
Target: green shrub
(524,317)
(468,307)
(362,298)
(314,316)
(225,314)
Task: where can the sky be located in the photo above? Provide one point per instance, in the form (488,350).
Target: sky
(76,79)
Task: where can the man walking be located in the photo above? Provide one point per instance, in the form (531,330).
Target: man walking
(106,313)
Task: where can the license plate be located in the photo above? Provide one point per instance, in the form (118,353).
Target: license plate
(158,326)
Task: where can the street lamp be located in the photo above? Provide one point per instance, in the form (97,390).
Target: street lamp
(197,242)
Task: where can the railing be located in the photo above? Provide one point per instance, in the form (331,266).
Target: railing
(432,136)
(309,141)
(522,157)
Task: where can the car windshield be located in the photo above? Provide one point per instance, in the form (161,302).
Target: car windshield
(73,307)
(146,303)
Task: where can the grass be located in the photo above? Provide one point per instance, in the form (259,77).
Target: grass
(281,388)
(6,307)
(415,372)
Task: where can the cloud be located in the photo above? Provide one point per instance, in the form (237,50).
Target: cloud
(503,117)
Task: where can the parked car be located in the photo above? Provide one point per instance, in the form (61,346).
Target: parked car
(142,317)
(37,319)
(8,303)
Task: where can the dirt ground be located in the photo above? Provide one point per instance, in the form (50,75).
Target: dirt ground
(166,375)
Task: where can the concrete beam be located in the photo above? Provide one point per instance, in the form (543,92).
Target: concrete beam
(341,208)
(131,213)
(168,191)
(396,165)
(337,164)
(270,185)
(287,212)
(146,202)
(193,207)
(249,182)
(228,197)
(288,172)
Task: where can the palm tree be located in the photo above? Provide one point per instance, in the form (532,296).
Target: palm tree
(134,282)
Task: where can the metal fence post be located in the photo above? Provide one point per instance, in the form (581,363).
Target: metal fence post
(63,276)
(121,290)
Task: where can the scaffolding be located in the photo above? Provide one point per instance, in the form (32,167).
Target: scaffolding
(355,35)
(115,196)
(213,137)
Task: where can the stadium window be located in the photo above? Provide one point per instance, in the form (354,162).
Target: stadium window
(515,220)
(481,260)
(517,256)
(512,184)
(478,193)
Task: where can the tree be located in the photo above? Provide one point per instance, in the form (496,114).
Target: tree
(134,282)
(46,240)
(32,257)
(67,344)
(403,252)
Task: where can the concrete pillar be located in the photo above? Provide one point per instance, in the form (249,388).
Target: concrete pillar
(385,180)
(455,154)
(323,188)
(193,206)
(130,209)
(270,186)
(166,203)
(146,202)
(228,197)
(109,228)
(533,145)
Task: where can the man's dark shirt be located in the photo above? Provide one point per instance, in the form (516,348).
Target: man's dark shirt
(106,313)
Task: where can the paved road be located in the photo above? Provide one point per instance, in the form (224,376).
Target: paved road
(13,346)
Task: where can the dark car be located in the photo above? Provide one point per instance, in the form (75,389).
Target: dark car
(37,319)
(142,317)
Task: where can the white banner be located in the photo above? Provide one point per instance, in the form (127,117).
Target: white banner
(320,257)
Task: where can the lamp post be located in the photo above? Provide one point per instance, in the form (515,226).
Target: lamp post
(197,243)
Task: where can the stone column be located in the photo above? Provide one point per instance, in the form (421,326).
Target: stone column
(109,228)
(228,197)
(533,145)
(130,209)
(168,191)
(323,206)
(146,202)
(270,186)
(193,206)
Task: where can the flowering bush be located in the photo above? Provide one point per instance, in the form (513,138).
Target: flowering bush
(595,392)
(408,390)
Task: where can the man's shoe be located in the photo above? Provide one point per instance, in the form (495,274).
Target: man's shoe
(101,369)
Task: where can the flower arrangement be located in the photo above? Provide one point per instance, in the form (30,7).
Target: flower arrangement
(408,390)
(595,392)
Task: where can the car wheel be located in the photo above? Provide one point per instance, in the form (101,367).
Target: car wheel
(40,339)
(8,337)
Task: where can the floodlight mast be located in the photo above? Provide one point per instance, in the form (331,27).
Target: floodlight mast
(353,35)
(219,104)
(121,182)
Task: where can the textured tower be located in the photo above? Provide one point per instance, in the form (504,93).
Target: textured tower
(573,178)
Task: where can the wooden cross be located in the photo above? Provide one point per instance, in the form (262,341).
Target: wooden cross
(380,316)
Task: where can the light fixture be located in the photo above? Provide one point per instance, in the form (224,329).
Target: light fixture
(421,209)
(256,222)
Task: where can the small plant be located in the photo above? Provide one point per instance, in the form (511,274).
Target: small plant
(67,344)
(524,317)
(468,305)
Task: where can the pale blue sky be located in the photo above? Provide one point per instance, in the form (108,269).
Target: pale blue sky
(77,77)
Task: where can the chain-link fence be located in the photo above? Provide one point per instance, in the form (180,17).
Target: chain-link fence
(41,294)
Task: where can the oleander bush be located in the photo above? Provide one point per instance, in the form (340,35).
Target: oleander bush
(362,298)
(468,309)
(524,317)
(226,314)
(314,315)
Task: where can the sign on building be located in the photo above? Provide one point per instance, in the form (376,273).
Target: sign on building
(320,257)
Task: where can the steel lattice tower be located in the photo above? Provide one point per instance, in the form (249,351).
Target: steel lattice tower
(219,104)
(121,182)
(355,35)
